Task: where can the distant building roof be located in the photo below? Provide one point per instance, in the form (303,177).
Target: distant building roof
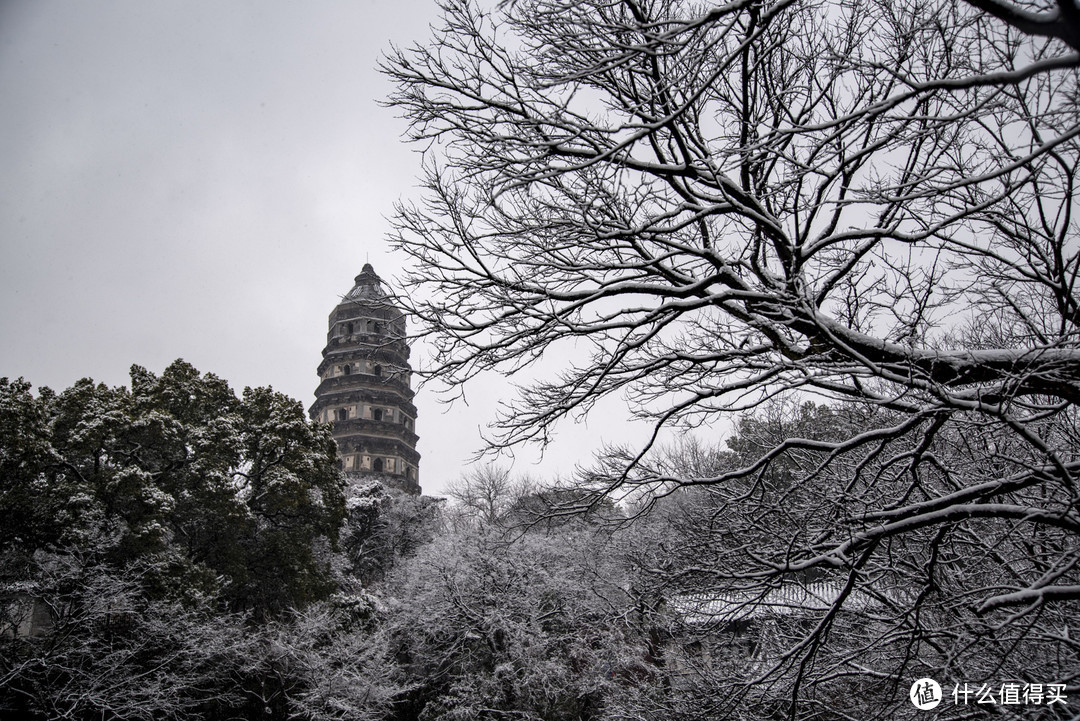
(699,609)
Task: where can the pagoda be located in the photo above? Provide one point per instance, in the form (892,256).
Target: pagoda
(365,388)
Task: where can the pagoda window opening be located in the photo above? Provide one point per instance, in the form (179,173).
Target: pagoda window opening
(378,371)
(346,369)
(377,414)
(378,465)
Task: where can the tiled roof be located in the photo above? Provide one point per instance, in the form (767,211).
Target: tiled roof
(368,286)
(696,609)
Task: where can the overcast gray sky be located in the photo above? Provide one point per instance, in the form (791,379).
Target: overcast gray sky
(201,179)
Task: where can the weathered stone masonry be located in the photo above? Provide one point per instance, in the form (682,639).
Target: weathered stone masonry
(365,387)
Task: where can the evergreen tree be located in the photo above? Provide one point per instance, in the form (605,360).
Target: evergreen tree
(160,526)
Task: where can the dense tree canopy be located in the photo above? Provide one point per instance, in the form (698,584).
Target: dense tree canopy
(179,543)
(153,525)
(179,477)
(486,628)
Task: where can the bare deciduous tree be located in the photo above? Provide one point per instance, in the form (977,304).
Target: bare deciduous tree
(705,206)
(487,493)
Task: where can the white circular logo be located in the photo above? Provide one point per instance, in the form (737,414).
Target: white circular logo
(925,694)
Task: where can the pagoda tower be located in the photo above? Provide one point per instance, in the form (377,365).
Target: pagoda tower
(364,388)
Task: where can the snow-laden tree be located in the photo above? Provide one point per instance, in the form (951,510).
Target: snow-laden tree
(838,641)
(110,651)
(381,528)
(331,658)
(159,528)
(701,206)
(538,628)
